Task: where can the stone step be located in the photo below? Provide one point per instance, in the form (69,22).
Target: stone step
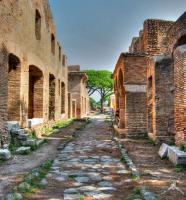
(29,142)
(13,125)
(176,156)
(23,150)
(23,137)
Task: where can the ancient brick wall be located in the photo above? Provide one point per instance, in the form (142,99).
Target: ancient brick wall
(78,90)
(154,33)
(28,32)
(175,35)
(160,98)
(130,89)
(135,114)
(135,69)
(180,94)
(134,47)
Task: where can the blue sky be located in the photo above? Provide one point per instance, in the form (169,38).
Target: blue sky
(93,33)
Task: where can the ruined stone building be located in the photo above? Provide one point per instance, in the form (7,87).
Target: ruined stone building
(34,72)
(78,94)
(161,45)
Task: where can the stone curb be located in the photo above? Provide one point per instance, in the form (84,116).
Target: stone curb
(124,155)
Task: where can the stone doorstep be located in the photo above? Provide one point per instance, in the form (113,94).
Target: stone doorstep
(176,156)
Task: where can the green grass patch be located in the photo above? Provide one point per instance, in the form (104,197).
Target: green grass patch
(63,124)
(32,181)
(136,194)
(183,148)
(58,125)
(150,141)
(180,168)
(12,147)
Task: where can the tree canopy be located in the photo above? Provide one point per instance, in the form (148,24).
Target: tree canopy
(100,81)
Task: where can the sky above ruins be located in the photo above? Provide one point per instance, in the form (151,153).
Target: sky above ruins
(93,33)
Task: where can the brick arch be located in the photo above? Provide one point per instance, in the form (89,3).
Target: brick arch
(14,84)
(174,34)
(35,107)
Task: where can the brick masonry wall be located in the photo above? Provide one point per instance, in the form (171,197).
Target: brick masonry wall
(130,87)
(14,83)
(180,94)
(135,114)
(135,69)
(164,100)
(160,98)
(154,33)
(78,90)
(18,37)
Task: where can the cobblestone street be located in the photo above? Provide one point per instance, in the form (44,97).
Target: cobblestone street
(88,168)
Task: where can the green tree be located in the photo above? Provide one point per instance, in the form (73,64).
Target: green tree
(100,81)
(93,103)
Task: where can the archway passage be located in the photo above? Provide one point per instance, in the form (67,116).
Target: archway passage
(52,86)
(62,98)
(35,108)
(14,83)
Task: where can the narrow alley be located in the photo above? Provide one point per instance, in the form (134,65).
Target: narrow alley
(88,168)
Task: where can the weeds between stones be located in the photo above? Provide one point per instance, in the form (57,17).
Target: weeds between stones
(32,180)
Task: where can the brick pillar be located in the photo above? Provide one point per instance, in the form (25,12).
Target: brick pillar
(180,94)
(46,97)
(3,96)
(121,112)
(24,92)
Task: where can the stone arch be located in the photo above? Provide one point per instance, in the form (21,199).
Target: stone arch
(35,106)
(37,24)
(63,91)
(14,85)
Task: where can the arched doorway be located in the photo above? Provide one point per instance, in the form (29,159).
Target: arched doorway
(35,108)
(14,84)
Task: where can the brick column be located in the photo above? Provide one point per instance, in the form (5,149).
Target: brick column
(180,94)
(24,92)
(3,96)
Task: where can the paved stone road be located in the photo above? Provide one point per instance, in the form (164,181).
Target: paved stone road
(89,168)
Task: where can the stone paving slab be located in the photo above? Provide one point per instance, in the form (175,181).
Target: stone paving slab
(89,168)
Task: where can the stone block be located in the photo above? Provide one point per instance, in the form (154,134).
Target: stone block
(176,156)
(13,125)
(29,142)
(23,150)
(5,154)
(39,142)
(13,196)
(163,151)
(23,137)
